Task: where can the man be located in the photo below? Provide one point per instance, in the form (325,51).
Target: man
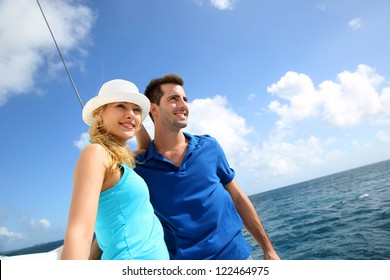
(192,188)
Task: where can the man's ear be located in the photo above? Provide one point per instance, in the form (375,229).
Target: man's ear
(153,108)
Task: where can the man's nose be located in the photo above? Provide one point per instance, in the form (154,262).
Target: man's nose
(182,103)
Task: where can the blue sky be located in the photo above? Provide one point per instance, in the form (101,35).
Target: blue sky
(293,90)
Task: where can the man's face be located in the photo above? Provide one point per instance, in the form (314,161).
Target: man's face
(173,109)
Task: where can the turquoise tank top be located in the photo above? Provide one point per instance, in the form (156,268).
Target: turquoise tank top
(126,227)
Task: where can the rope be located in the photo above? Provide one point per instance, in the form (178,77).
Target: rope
(63,61)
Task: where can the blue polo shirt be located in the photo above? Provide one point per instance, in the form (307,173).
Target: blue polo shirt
(198,215)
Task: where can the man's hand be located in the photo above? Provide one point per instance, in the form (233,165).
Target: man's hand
(272,255)
(95,252)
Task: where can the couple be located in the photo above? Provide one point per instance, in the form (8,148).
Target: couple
(196,210)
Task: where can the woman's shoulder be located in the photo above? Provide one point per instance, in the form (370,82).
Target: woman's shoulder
(94,151)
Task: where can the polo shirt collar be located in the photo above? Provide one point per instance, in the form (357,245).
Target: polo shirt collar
(151,152)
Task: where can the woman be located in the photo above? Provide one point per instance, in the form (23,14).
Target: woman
(109,198)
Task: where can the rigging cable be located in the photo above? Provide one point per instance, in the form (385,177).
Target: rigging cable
(63,61)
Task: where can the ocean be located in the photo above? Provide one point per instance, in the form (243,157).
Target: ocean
(344,216)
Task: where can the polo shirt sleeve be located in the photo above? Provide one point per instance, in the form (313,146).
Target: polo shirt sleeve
(224,171)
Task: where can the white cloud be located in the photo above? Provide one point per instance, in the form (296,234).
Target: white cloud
(299,90)
(218,4)
(251,97)
(355,97)
(286,158)
(221,122)
(26,43)
(223,4)
(361,145)
(10,234)
(355,23)
(321,6)
(277,158)
(383,137)
(198,2)
(83,141)
(29,231)
(42,223)
(385,100)
(334,155)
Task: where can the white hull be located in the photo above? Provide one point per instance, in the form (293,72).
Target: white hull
(51,255)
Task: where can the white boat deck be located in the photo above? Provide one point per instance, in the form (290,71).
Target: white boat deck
(51,255)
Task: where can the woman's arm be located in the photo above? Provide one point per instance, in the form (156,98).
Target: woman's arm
(88,180)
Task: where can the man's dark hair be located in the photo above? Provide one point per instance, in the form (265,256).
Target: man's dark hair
(153,90)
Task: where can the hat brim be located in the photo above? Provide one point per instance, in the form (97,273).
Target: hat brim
(119,96)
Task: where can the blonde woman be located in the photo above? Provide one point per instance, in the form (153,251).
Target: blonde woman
(109,198)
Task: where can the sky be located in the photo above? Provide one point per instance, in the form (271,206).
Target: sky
(292,90)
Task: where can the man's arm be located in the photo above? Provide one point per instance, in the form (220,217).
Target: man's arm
(143,140)
(251,220)
(95,252)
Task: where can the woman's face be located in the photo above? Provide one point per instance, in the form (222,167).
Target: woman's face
(122,119)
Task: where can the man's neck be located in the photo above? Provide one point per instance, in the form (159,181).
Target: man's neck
(168,140)
(171,144)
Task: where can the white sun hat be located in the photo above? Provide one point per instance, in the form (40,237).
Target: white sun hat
(116,91)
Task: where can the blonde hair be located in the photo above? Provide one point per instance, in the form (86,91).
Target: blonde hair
(118,152)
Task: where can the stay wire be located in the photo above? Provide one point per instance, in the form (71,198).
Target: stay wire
(63,61)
